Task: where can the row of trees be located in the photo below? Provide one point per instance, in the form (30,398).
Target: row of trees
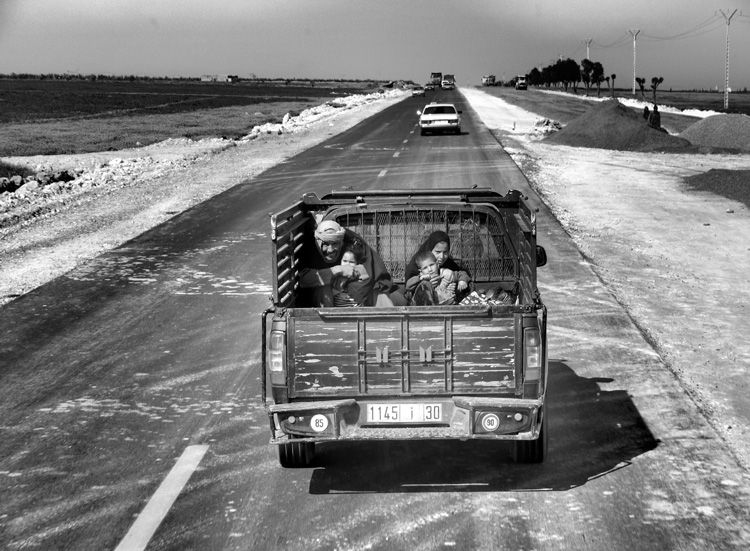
(567,73)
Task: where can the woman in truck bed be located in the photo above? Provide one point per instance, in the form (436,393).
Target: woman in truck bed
(438,243)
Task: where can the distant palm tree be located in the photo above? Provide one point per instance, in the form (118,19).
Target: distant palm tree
(642,85)
(587,67)
(597,77)
(613,77)
(655,82)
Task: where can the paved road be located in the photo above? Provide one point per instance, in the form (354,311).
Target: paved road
(146,359)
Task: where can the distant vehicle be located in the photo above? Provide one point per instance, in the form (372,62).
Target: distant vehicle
(436,78)
(521,82)
(448,82)
(417,91)
(488,80)
(439,117)
(429,86)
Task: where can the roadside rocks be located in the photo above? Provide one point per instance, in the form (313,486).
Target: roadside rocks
(292,122)
(543,127)
(40,179)
(46,191)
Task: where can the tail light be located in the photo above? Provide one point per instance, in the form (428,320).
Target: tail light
(532,355)
(277,357)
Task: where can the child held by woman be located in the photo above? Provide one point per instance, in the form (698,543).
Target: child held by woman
(432,276)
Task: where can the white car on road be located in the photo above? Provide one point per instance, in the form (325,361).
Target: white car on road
(439,117)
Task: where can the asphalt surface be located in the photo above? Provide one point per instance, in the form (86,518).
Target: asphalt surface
(147,358)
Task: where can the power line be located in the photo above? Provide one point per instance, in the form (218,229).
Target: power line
(619,42)
(686,34)
(574,55)
(716,27)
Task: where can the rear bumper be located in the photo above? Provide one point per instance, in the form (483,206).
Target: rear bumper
(462,418)
(439,125)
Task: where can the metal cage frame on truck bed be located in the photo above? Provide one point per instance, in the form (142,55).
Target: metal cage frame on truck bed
(394,223)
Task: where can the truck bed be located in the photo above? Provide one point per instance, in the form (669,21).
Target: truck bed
(426,350)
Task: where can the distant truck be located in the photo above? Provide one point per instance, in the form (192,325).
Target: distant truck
(521,82)
(488,80)
(472,371)
(436,79)
(448,82)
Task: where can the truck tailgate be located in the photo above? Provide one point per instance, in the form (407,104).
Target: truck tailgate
(427,350)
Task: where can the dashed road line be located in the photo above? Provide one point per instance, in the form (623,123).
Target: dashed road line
(156,509)
(396,154)
(383,173)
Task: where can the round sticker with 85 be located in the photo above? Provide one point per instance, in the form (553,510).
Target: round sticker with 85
(319,423)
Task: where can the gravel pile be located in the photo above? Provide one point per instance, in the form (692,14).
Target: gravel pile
(733,184)
(611,125)
(731,131)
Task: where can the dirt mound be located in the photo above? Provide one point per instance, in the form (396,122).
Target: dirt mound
(733,184)
(611,125)
(730,131)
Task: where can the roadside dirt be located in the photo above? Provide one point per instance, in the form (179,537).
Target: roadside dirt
(675,258)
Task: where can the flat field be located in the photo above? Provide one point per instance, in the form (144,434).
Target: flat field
(44,117)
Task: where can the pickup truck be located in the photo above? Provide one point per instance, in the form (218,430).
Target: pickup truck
(473,370)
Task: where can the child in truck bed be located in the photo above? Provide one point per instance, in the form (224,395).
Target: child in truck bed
(352,255)
(436,286)
(438,243)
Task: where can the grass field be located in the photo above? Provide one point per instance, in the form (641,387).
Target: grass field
(45,117)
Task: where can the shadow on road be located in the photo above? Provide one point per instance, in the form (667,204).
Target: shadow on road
(592,432)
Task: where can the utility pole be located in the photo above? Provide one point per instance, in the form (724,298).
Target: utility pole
(728,19)
(588,43)
(634,34)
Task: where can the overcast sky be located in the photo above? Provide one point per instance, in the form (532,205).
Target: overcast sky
(681,40)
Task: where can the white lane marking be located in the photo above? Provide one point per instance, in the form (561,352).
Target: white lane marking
(383,173)
(405,141)
(396,154)
(156,509)
(412,132)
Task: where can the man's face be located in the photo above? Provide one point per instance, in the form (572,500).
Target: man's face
(330,250)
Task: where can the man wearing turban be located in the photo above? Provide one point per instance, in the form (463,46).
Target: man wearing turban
(320,263)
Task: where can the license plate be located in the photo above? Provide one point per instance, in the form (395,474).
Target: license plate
(404,413)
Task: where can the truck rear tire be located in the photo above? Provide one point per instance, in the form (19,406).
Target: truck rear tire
(293,455)
(533,451)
